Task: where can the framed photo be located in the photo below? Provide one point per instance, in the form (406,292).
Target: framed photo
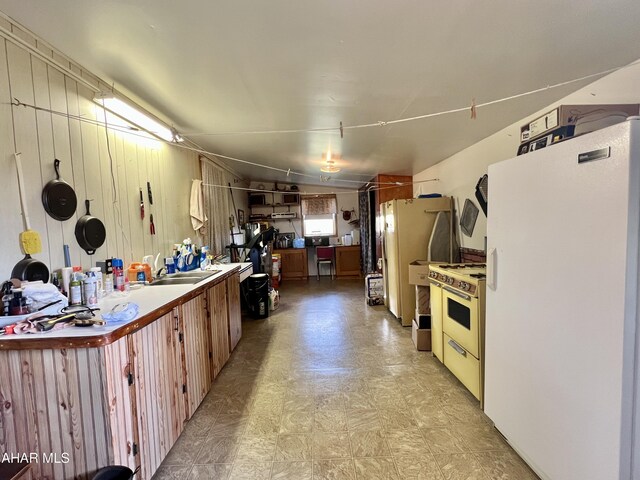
(240,218)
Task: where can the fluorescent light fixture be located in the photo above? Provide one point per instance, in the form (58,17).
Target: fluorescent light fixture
(135,118)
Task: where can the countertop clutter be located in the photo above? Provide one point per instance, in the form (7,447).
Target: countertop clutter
(151,301)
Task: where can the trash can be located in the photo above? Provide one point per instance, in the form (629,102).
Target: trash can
(258,285)
(115,472)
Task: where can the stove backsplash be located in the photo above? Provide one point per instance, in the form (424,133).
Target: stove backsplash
(471,255)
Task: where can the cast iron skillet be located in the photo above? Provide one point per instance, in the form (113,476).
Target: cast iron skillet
(30,269)
(90,232)
(58,197)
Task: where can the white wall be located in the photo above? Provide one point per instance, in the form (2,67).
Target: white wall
(459,173)
(86,165)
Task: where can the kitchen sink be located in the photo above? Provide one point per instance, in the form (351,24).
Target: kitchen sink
(184,278)
(194,273)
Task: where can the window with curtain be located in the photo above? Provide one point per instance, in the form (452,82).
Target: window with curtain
(319,216)
(217,207)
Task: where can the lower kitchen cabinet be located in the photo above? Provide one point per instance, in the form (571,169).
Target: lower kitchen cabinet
(219,326)
(198,365)
(348,261)
(160,401)
(294,263)
(124,402)
(234,311)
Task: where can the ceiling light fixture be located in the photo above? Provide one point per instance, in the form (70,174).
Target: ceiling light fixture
(330,167)
(135,118)
(330,164)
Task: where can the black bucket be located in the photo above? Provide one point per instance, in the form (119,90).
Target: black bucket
(258,286)
(114,472)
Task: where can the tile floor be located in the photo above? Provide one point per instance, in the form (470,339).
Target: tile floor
(329,388)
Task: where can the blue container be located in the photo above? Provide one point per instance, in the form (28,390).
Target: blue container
(185,263)
(298,242)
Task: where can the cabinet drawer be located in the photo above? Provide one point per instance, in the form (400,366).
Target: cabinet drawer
(463,365)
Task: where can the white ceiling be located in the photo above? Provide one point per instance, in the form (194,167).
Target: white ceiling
(227,66)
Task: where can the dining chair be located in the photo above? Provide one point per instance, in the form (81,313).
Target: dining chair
(324,256)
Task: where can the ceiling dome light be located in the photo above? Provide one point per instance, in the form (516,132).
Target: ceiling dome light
(330,167)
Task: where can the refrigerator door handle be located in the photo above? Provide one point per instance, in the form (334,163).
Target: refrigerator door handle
(492,269)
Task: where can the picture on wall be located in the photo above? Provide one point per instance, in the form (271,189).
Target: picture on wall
(240,218)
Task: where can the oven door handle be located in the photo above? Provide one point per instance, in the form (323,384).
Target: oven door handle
(455,292)
(458,348)
(435,284)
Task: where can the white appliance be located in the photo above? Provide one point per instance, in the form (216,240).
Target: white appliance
(562,312)
(407,229)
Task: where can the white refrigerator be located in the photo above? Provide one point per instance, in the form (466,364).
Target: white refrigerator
(561,368)
(407,228)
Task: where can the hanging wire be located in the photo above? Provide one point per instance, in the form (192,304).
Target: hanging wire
(288,172)
(343,192)
(384,123)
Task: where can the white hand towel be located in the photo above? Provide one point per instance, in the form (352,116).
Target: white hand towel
(196,210)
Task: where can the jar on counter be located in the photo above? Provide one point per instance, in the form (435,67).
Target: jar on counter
(18,304)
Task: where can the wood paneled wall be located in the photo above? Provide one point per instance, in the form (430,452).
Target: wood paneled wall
(70,382)
(90,155)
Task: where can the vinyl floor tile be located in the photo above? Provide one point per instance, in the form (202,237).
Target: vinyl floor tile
(329,388)
(334,470)
(216,471)
(376,469)
(292,471)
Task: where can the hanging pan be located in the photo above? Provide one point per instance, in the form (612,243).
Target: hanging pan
(90,232)
(58,197)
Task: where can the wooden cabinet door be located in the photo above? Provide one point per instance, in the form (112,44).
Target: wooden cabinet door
(348,261)
(294,263)
(196,331)
(157,366)
(233,308)
(218,327)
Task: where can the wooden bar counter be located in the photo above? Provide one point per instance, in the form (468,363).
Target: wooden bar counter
(78,399)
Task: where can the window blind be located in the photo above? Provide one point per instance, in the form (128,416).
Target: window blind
(319,205)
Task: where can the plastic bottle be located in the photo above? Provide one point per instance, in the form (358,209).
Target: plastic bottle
(90,291)
(97,272)
(75,292)
(118,274)
(108,286)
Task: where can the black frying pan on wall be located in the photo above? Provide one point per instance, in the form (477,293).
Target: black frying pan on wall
(90,232)
(58,197)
